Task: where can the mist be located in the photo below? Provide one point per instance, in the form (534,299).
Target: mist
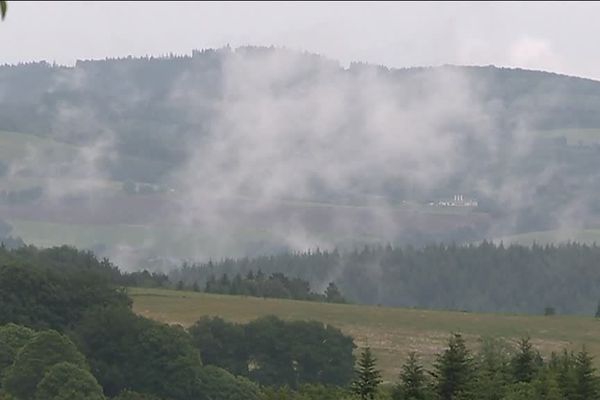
(258,150)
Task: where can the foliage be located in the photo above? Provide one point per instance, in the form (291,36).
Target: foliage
(368,378)
(526,362)
(131,395)
(43,351)
(275,285)
(52,288)
(130,352)
(12,339)
(482,277)
(492,364)
(413,383)
(218,384)
(586,384)
(66,381)
(453,370)
(305,392)
(222,344)
(275,352)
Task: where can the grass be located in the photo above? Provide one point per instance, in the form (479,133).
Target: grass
(390,332)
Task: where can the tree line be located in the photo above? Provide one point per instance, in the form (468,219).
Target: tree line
(67,331)
(484,277)
(275,285)
(497,371)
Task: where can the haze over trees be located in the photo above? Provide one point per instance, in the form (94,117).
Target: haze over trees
(67,331)
(478,277)
(266,144)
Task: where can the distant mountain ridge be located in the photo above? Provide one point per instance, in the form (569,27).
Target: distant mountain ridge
(272,124)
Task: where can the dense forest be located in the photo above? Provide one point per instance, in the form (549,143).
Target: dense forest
(67,332)
(480,277)
(275,285)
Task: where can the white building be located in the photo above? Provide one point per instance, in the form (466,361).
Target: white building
(457,201)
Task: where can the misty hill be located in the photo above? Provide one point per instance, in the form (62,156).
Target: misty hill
(391,332)
(478,278)
(297,151)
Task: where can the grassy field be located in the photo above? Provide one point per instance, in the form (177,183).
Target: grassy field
(391,332)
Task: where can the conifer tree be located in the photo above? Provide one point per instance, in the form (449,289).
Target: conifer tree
(413,384)
(525,362)
(585,385)
(564,367)
(453,369)
(368,377)
(545,386)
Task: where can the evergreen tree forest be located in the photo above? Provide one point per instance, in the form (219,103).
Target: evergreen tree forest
(275,285)
(485,277)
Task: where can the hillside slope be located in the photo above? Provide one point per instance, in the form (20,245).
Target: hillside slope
(251,139)
(391,332)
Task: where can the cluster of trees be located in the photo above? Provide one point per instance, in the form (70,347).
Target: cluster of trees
(273,352)
(275,285)
(67,331)
(484,277)
(496,372)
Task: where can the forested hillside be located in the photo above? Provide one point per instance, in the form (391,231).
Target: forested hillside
(483,277)
(67,331)
(145,158)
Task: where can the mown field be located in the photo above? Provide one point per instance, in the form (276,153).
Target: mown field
(391,332)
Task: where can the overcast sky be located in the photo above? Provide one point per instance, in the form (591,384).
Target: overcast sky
(559,37)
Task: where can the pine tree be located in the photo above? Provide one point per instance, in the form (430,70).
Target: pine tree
(454,369)
(492,369)
(598,310)
(525,362)
(333,294)
(195,287)
(180,285)
(368,377)
(585,387)
(564,367)
(413,383)
(545,386)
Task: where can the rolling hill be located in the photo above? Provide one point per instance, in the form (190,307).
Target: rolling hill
(257,150)
(390,332)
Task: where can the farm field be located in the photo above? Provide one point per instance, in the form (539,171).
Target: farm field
(391,332)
